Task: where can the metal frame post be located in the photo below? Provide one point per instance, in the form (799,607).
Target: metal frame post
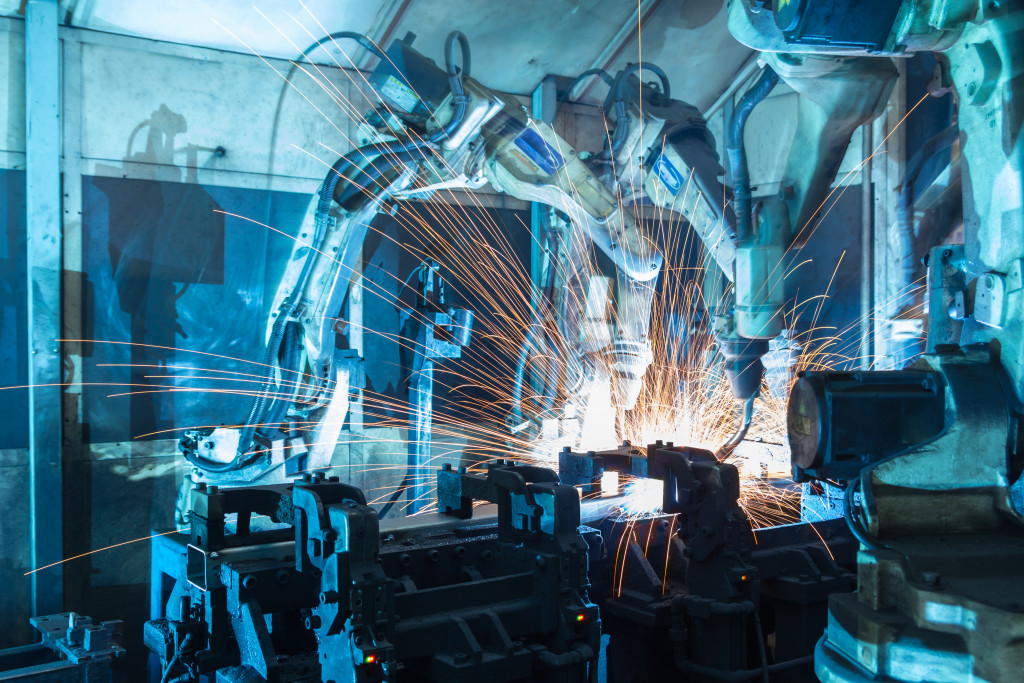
(43,263)
(544,108)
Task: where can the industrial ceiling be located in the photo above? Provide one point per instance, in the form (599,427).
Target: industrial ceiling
(515,44)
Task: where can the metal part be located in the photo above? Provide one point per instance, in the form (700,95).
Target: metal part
(506,602)
(73,649)
(947,285)
(828,414)
(686,590)
(586,470)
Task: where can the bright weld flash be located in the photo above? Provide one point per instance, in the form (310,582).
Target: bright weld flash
(642,496)
(609,483)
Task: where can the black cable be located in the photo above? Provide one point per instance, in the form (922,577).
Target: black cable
(455,76)
(622,120)
(737,155)
(666,92)
(371,175)
(177,655)
(853,520)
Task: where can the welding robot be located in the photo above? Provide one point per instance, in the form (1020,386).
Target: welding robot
(929,455)
(435,130)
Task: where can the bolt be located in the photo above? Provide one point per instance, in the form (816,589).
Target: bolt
(405,559)
(329,597)
(434,555)
(330,535)
(249,582)
(283,576)
(312,623)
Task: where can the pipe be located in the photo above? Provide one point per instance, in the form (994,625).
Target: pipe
(536,324)
(905,205)
(867,251)
(737,155)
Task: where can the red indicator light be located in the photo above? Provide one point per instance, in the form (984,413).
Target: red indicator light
(743,578)
(580,617)
(369,659)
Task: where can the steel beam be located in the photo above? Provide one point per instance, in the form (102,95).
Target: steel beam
(630,31)
(43,261)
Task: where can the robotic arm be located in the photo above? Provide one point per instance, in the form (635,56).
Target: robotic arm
(439,128)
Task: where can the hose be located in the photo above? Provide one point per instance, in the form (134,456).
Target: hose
(582,77)
(665,88)
(291,355)
(737,155)
(741,432)
(853,519)
(455,76)
(371,175)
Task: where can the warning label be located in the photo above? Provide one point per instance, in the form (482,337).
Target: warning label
(399,94)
